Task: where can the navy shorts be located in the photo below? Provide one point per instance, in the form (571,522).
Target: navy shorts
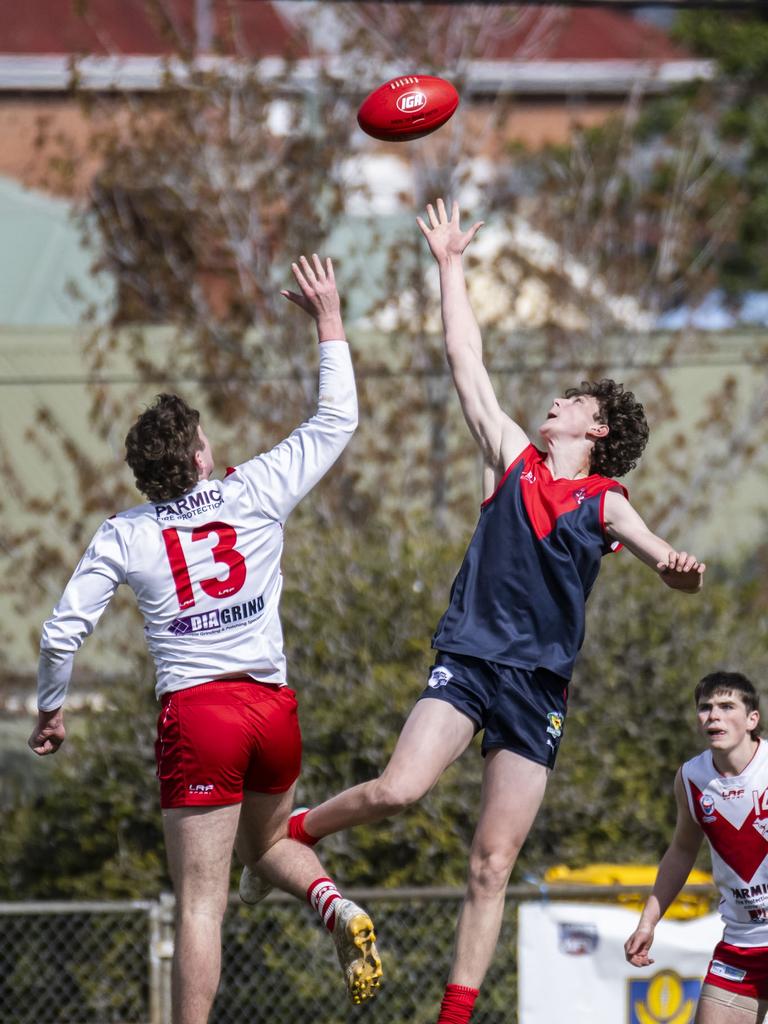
(522,710)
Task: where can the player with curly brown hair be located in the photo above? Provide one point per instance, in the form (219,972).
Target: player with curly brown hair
(620,449)
(506,646)
(202,557)
(161,447)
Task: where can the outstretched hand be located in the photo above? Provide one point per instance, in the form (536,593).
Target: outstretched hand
(682,571)
(444,235)
(318,296)
(638,945)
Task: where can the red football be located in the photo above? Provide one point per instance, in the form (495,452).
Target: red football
(407,108)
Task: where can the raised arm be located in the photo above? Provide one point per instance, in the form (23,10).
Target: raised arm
(281,477)
(319,297)
(500,439)
(673,872)
(678,569)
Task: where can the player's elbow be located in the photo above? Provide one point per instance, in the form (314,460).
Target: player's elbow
(59,644)
(54,652)
(352,421)
(344,428)
(342,417)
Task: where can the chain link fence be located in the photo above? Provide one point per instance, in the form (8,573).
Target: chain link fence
(110,963)
(79,963)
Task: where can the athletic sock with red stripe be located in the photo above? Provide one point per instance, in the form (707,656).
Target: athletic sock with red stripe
(297,831)
(322,896)
(457,1004)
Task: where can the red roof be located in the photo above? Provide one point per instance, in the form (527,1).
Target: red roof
(583,33)
(254,28)
(250,28)
(521,32)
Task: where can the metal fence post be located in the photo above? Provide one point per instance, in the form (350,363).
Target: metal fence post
(161,940)
(154,964)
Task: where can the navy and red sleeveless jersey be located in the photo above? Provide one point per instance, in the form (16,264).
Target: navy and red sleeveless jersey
(519,597)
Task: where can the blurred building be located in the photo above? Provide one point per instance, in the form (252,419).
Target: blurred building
(556,66)
(119,48)
(549,70)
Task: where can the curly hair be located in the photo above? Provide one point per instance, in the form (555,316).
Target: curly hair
(617,452)
(160,448)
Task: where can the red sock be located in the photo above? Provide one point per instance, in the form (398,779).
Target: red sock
(322,896)
(456,1007)
(297,831)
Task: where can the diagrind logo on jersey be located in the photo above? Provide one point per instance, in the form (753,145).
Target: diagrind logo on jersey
(218,618)
(761,824)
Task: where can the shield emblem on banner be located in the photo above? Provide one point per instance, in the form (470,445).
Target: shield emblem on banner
(665,998)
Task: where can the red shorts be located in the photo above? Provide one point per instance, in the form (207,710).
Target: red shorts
(740,969)
(220,738)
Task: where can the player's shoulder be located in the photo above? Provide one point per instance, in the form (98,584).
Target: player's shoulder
(247,480)
(697,759)
(233,475)
(527,457)
(615,497)
(239,480)
(618,492)
(760,760)
(521,464)
(126,521)
(131,515)
(697,766)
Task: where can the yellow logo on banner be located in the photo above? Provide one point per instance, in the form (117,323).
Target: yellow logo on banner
(664,999)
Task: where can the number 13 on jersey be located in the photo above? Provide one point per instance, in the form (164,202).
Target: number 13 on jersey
(223,552)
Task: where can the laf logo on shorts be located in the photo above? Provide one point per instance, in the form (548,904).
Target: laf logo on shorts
(440,677)
(201,787)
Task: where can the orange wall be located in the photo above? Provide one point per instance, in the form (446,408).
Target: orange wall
(35,129)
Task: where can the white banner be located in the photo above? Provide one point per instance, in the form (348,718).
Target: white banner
(571,966)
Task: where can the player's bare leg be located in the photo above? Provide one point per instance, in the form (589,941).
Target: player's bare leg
(513,788)
(294,868)
(434,735)
(266,853)
(717,1006)
(262,824)
(199,846)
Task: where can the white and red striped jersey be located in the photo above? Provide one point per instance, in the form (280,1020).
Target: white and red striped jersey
(732,812)
(205,567)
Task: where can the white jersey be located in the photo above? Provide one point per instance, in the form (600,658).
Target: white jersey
(732,812)
(205,567)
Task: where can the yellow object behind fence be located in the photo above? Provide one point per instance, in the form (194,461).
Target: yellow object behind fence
(687,904)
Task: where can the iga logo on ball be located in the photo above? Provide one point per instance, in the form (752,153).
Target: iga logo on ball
(407,108)
(411,101)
